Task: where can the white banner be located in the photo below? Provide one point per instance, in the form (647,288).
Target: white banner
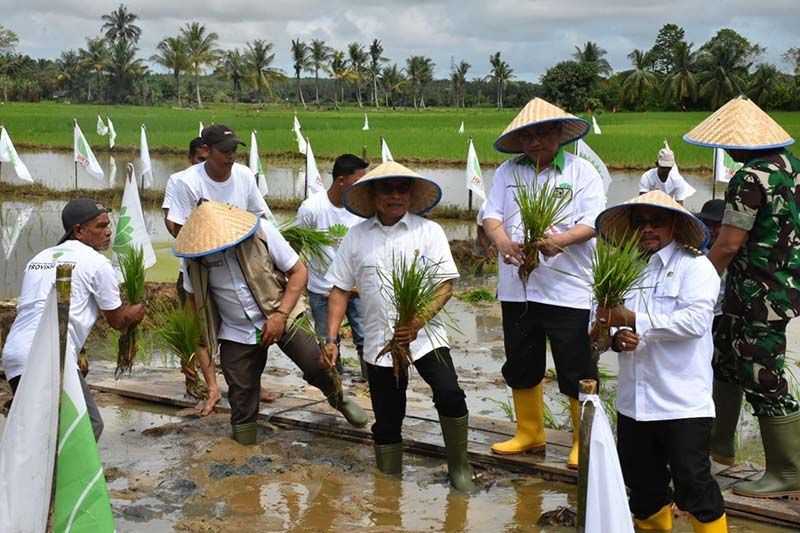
(83,154)
(8,154)
(461,128)
(13,219)
(131,229)
(255,165)
(596,126)
(724,166)
(298,133)
(112,133)
(365,127)
(474,175)
(200,129)
(582,150)
(146,171)
(313,178)
(102,129)
(386,155)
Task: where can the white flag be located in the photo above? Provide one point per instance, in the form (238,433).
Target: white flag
(102,129)
(8,154)
(146,172)
(131,230)
(255,166)
(313,178)
(200,129)
(112,133)
(83,154)
(582,150)
(301,141)
(461,128)
(596,126)
(365,127)
(112,172)
(473,174)
(11,225)
(724,166)
(386,155)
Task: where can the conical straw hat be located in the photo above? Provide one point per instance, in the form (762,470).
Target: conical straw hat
(539,111)
(213,227)
(740,125)
(425,193)
(615,222)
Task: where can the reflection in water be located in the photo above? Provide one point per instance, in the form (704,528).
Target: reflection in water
(385,502)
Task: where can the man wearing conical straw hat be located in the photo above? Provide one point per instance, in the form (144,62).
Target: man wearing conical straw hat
(759,246)
(666,177)
(245,283)
(663,336)
(373,256)
(549,305)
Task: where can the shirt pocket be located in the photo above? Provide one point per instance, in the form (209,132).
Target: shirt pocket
(666,294)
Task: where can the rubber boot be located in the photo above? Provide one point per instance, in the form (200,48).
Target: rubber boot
(389,458)
(454,431)
(720,525)
(728,403)
(661,521)
(330,384)
(245,434)
(575,418)
(781,438)
(530,436)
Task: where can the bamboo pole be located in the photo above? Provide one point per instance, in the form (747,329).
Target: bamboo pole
(587,386)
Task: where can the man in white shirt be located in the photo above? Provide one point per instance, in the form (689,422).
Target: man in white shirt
(664,399)
(392,197)
(94,290)
(666,177)
(553,303)
(323,210)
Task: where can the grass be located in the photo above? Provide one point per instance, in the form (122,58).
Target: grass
(478,295)
(629,140)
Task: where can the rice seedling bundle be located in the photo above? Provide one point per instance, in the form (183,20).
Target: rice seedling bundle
(310,243)
(132,265)
(181,333)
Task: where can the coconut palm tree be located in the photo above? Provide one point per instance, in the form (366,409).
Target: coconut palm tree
(258,63)
(202,50)
(301,63)
(722,73)
(173,55)
(459,79)
(763,83)
(232,67)
(419,71)
(69,70)
(340,73)
(640,80)
(500,73)
(95,58)
(119,25)
(357,57)
(392,80)
(376,59)
(592,54)
(124,69)
(319,56)
(682,79)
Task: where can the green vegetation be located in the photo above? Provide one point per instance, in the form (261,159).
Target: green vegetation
(478,295)
(181,334)
(131,264)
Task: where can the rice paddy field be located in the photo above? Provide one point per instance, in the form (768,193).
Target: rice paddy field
(430,136)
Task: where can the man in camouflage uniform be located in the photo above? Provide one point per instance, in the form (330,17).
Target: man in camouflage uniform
(759,244)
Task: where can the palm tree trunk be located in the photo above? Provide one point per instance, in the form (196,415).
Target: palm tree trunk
(375,91)
(300,92)
(316,85)
(197,86)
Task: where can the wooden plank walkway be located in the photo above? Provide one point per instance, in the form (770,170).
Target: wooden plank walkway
(304,407)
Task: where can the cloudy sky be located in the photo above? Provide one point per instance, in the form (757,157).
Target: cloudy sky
(531,34)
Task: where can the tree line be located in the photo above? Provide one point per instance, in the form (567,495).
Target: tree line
(671,75)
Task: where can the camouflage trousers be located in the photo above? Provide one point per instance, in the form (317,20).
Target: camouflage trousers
(752,355)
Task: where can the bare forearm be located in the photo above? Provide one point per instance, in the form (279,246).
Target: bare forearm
(295,284)
(337,307)
(443,293)
(727,245)
(495,231)
(577,234)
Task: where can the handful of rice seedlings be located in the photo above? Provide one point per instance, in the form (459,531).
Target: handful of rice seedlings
(617,268)
(540,207)
(131,263)
(310,243)
(181,333)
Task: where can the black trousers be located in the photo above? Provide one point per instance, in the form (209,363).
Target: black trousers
(654,453)
(527,326)
(389,397)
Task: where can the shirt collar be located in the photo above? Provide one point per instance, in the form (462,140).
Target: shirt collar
(666,253)
(559,161)
(404,221)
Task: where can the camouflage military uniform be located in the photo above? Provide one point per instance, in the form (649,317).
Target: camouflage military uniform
(763,284)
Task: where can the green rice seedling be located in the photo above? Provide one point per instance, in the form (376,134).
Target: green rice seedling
(477,295)
(310,243)
(181,333)
(505,406)
(131,263)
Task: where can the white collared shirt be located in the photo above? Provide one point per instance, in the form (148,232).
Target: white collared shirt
(669,376)
(676,185)
(370,246)
(554,281)
(318,212)
(239,313)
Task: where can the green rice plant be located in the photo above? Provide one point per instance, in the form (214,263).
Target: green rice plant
(311,243)
(505,406)
(131,262)
(477,295)
(540,208)
(181,333)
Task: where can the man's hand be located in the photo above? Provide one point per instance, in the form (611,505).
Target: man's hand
(551,245)
(510,252)
(408,334)
(330,354)
(137,314)
(625,340)
(274,328)
(618,316)
(206,407)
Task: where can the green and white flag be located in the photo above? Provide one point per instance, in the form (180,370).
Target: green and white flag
(313,177)
(13,219)
(8,154)
(386,155)
(255,165)
(112,133)
(474,175)
(131,230)
(102,129)
(724,166)
(146,172)
(298,133)
(83,154)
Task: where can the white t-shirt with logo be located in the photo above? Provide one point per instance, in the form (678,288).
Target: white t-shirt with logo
(318,212)
(94,288)
(169,189)
(676,185)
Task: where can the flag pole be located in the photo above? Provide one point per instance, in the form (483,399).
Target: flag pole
(305,188)
(469,191)
(75,125)
(714,176)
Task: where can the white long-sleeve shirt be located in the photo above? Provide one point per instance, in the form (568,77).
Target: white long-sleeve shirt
(669,375)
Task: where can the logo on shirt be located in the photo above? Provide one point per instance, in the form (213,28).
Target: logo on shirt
(564,190)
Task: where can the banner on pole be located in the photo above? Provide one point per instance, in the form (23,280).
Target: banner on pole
(313,177)
(131,230)
(724,166)
(83,154)
(386,154)
(474,175)
(8,154)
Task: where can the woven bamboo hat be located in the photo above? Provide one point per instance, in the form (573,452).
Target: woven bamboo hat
(739,125)
(425,193)
(213,227)
(615,222)
(536,112)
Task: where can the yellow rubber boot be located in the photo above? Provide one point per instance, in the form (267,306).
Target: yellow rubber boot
(575,418)
(529,408)
(720,525)
(661,521)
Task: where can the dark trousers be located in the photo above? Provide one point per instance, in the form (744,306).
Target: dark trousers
(654,453)
(242,365)
(389,397)
(527,326)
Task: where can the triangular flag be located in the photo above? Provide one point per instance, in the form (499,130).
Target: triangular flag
(461,128)
(8,154)
(595,126)
(102,129)
(255,165)
(146,172)
(131,229)
(112,133)
(386,155)
(582,150)
(313,178)
(474,175)
(83,154)
(200,129)
(11,225)
(301,141)
(724,166)
(365,127)
(112,172)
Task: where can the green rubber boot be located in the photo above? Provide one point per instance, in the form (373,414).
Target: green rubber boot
(727,403)
(454,431)
(389,458)
(330,384)
(781,438)
(245,434)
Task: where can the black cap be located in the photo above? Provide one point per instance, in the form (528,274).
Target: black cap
(220,137)
(712,211)
(79,211)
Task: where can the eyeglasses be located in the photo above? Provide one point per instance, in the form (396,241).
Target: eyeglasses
(658,221)
(402,187)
